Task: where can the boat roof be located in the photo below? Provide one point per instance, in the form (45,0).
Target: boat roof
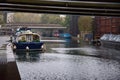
(28,32)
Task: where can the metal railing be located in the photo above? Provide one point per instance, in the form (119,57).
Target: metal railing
(108,8)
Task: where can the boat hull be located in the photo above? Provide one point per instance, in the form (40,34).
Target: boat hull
(28,45)
(111,44)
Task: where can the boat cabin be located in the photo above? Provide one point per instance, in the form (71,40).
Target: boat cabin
(28,37)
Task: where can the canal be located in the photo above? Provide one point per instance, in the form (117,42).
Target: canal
(69,60)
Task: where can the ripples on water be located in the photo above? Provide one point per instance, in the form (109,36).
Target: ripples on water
(57,63)
(69,67)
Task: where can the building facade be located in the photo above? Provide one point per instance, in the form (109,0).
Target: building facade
(106,25)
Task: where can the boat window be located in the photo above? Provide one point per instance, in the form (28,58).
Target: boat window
(28,38)
(35,38)
(22,39)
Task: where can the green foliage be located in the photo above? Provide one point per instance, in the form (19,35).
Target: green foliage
(41,18)
(55,19)
(50,19)
(1,19)
(26,18)
(67,21)
(36,40)
(85,23)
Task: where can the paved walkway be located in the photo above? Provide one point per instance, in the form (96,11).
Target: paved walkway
(8,67)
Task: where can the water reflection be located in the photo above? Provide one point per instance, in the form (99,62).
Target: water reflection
(31,56)
(71,43)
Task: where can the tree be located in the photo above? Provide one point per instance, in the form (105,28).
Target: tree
(26,18)
(67,21)
(50,19)
(85,23)
(1,18)
(41,18)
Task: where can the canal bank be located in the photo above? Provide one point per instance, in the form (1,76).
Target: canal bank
(8,67)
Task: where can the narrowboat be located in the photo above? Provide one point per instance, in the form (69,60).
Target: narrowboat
(110,41)
(28,40)
(65,35)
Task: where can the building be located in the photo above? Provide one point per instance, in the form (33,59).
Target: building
(106,25)
(10,17)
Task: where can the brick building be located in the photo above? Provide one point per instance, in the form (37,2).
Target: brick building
(106,25)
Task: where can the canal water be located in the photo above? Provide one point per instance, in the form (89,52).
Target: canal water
(69,60)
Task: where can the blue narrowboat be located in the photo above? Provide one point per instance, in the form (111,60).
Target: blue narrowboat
(28,40)
(65,35)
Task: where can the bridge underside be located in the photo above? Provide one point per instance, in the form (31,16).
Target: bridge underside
(79,7)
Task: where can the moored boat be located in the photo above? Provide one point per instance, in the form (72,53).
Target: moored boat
(28,40)
(110,41)
(65,35)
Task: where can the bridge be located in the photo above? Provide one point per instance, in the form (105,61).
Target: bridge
(80,7)
(35,27)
